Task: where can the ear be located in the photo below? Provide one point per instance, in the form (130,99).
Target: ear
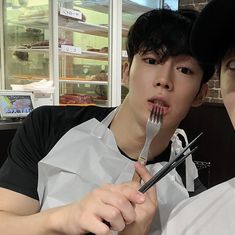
(198,100)
(125,73)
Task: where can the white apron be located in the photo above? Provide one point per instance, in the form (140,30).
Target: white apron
(209,213)
(87,157)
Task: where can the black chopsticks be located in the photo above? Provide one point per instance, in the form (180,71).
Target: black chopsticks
(180,157)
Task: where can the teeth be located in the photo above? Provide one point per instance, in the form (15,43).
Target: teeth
(158,102)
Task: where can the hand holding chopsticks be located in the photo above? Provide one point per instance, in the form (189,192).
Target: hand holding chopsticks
(169,166)
(166,169)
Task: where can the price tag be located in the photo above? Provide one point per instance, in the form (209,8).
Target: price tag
(71,13)
(71,49)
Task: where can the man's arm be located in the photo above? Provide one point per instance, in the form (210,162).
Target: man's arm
(19,215)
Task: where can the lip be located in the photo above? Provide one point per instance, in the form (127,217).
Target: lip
(158,101)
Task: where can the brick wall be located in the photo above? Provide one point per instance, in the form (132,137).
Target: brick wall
(214,94)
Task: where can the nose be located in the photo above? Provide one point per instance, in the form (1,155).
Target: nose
(164,78)
(163,85)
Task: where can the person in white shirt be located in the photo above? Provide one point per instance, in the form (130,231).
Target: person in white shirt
(212,41)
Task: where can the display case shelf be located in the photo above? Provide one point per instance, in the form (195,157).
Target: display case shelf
(83,54)
(84,82)
(128,6)
(82,27)
(87,55)
(32,22)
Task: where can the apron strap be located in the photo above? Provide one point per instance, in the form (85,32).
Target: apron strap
(107,120)
(191,171)
(101,128)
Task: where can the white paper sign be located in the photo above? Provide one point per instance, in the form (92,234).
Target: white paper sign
(71,49)
(71,13)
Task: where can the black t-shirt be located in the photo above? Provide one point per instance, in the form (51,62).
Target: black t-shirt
(37,135)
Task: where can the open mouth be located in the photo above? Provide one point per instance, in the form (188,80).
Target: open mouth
(159,103)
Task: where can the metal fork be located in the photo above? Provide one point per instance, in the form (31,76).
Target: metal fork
(152,128)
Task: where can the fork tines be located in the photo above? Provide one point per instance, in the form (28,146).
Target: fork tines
(157,113)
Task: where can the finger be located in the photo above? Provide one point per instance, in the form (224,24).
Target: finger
(136,177)
(123,205)
(142,171)
(128,190)
(124,199)
(145,175)
(94,225)
(113,216)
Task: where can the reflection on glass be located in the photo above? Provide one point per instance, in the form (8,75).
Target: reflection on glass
(171,4)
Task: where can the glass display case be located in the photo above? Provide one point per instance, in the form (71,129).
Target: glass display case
(25,35)
(83,59)
(79,45)
(23,28)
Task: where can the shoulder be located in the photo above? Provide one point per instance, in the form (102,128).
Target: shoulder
(45,125)
(72,115)
(48,121)
(213,208)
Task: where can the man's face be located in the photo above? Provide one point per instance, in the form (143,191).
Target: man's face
(174,83)
(227,83)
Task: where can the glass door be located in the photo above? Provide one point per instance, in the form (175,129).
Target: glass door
(83,44)
(25,47)
(25,41)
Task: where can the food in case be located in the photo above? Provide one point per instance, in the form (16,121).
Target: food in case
(76,99)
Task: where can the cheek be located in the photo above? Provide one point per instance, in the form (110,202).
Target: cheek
(227,84)
(229,102)
(187,91)
(184,98)
(138,80)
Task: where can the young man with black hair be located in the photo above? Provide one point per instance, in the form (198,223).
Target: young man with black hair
(60,158)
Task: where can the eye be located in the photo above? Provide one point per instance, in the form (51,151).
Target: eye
(185,70)
(150,61)
(231,65)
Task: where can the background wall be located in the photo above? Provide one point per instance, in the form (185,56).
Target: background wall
(214,94)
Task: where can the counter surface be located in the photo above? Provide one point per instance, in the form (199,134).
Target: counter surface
(9,124)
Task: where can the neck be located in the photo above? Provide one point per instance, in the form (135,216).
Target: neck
(130,134)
